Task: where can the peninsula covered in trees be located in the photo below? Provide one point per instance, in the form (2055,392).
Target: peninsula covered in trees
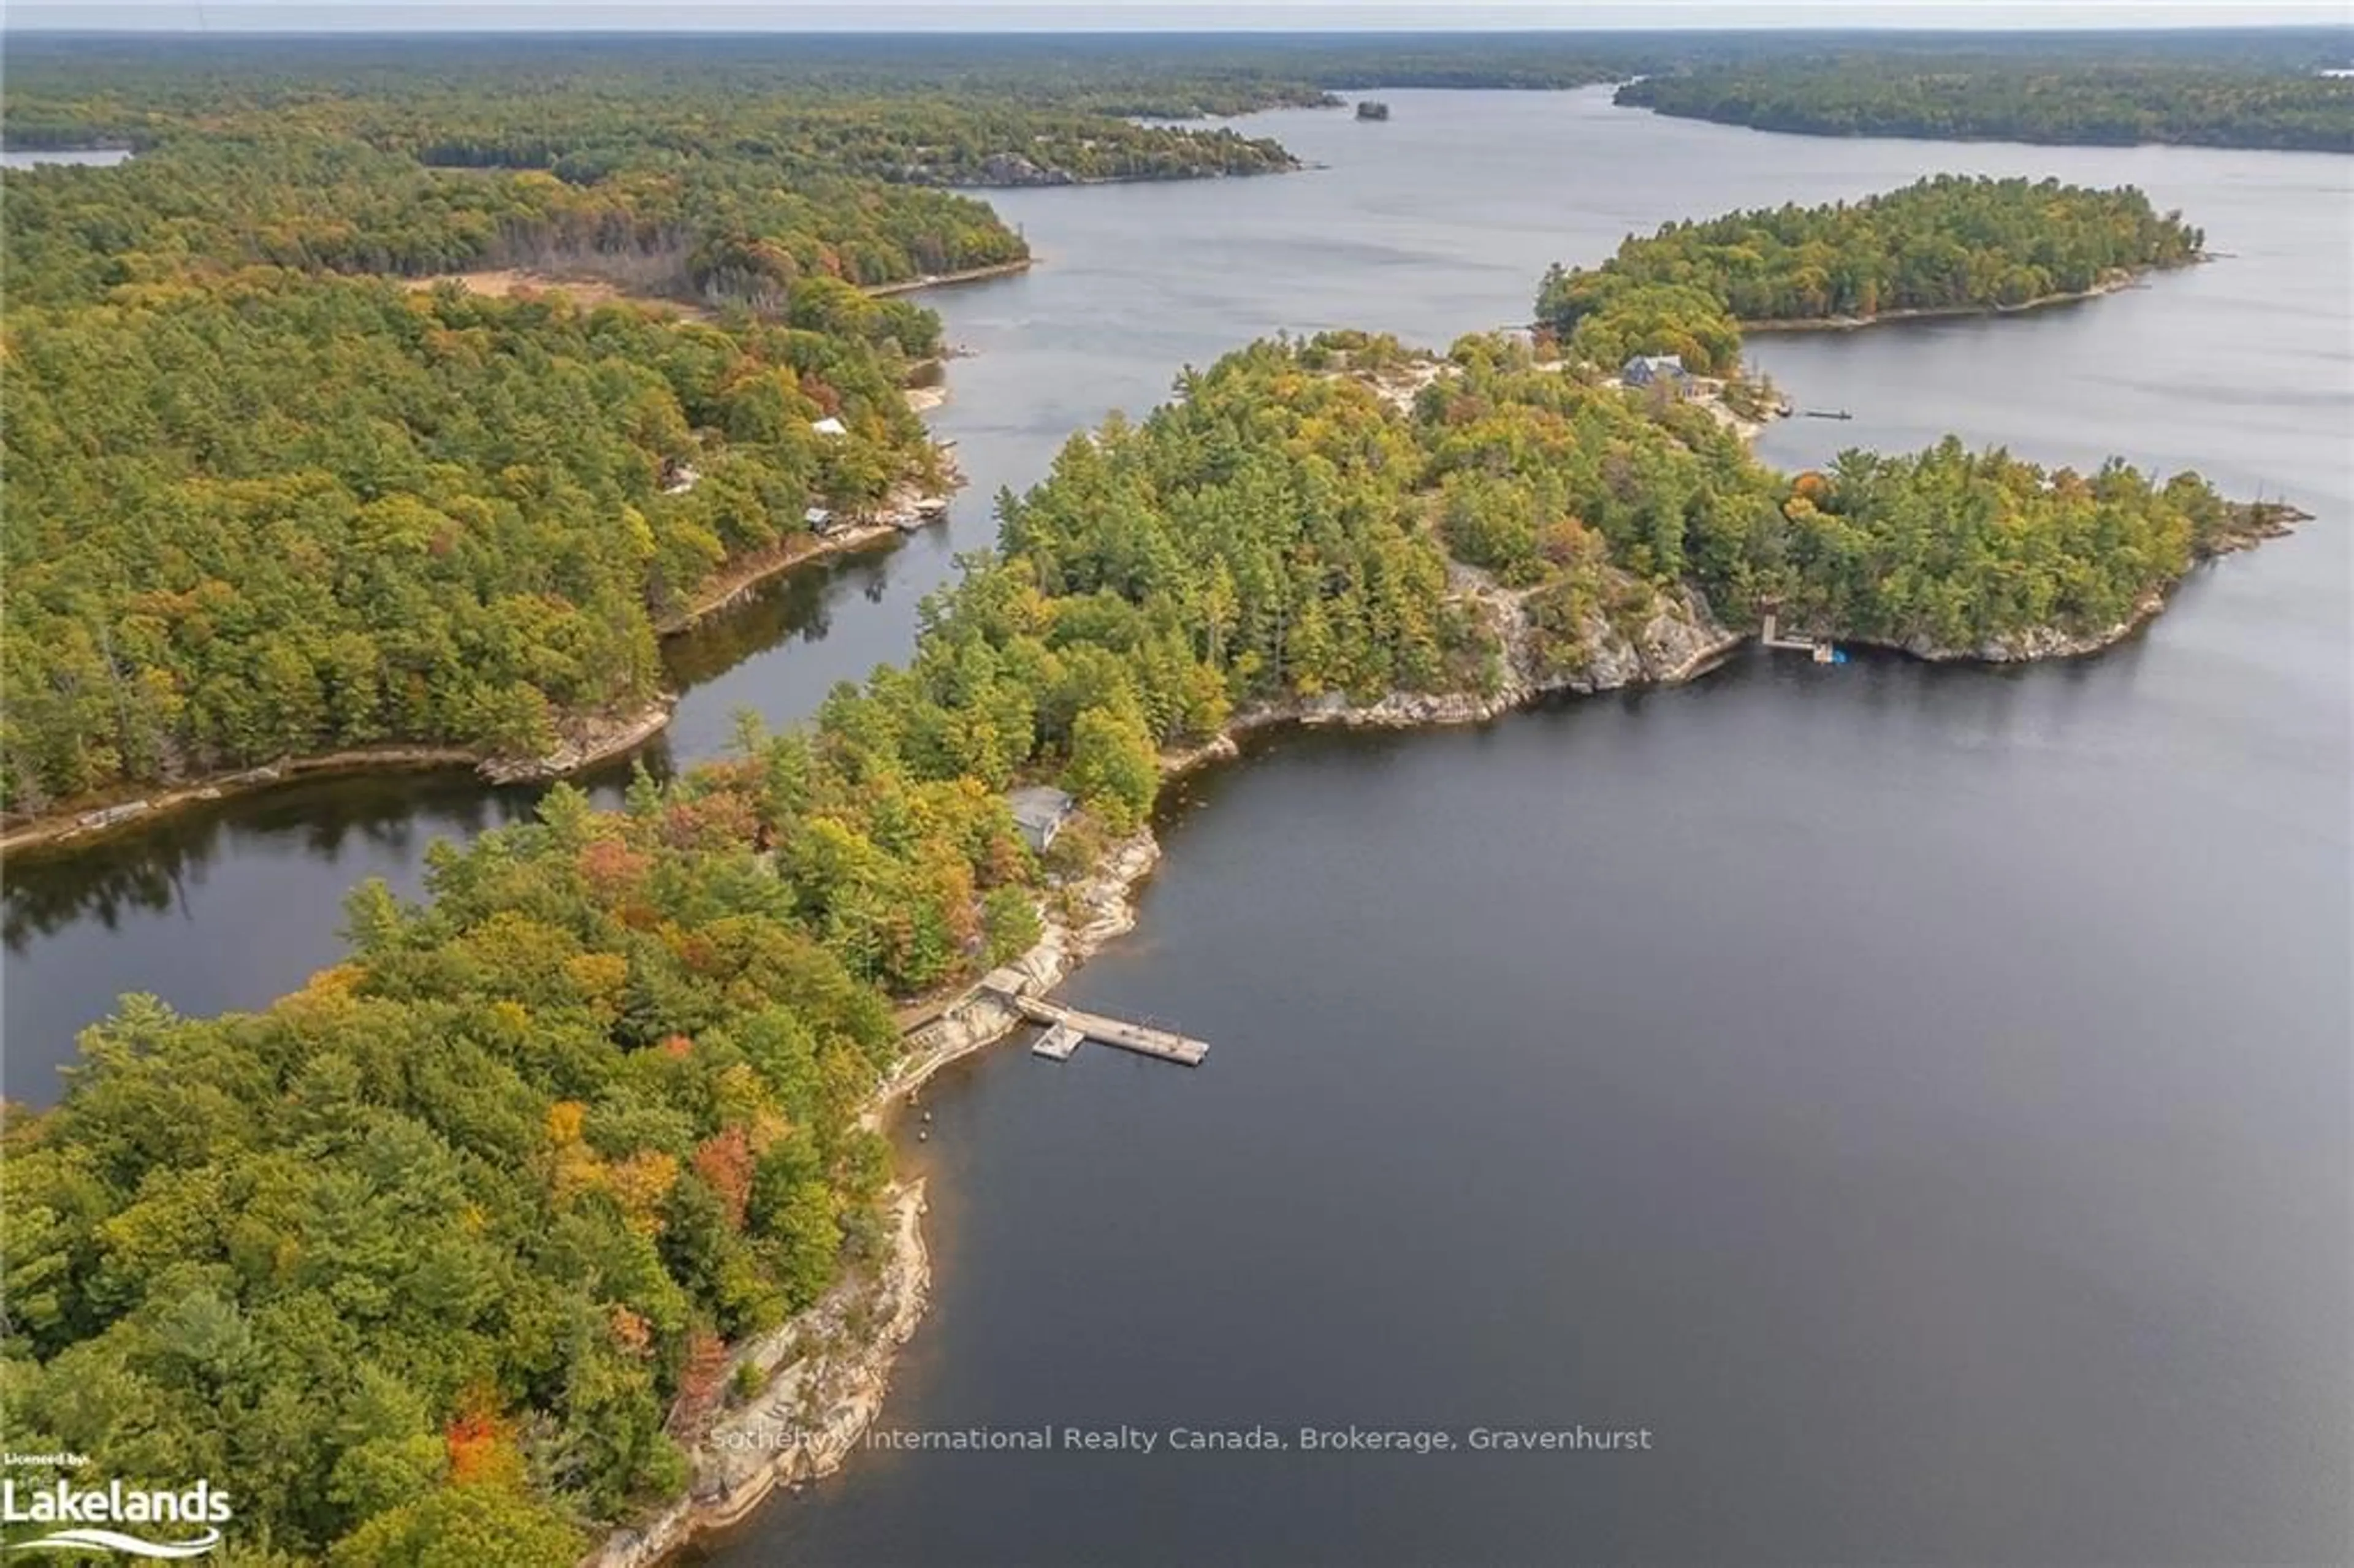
(1969,95)
(1946,244)
(443,1254)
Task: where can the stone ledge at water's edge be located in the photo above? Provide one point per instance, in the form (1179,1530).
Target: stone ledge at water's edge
(823,1388)
(583,741)
(1679,639)
(825,1384)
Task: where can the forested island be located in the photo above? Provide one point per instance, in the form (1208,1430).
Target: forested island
(1970,95)
(1945,245)
(450,1248)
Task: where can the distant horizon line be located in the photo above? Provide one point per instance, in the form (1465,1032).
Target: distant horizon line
(83,29)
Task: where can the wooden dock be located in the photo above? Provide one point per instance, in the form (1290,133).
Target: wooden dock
(1067,1026)
(1824,651)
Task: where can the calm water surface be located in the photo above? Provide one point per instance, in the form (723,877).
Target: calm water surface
(1919,1097)
(82,157)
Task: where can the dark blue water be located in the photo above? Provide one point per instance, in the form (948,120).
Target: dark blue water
(1919,1097)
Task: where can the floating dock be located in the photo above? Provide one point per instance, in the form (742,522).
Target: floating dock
(1067,1027)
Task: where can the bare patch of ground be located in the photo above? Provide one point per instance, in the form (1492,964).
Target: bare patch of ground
(516,282)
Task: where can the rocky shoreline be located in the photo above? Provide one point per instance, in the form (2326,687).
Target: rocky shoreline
(588,742)
(755,571)
(1014,171)
(943,280)
(585,741)
(821,1394)
(825,1384)
(907,507)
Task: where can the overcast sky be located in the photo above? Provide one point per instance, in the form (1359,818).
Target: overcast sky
(1076,16)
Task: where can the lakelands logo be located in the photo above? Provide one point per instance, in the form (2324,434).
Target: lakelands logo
(89,1518)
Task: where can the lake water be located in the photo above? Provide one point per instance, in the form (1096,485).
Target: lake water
(86,157)
(1919,1097)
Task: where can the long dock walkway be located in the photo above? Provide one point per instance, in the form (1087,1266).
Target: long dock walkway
(1067,1026)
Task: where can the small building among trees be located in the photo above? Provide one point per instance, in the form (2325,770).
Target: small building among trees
(1655,370)
(1039,812)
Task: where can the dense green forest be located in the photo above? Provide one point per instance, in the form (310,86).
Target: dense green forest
(1555,483)
(1970,95)
(1151,75)
(1955,550)
(280,517)
(438,1257)
(717,233)
(1946,242)
(256,512)
(432,1262)
(125,88)
(587,110)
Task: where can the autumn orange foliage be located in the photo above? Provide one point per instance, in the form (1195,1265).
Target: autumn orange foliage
(479,1445)
(725,1160)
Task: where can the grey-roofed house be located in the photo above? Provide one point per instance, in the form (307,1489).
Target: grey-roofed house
(1040,811)
(1645,369)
